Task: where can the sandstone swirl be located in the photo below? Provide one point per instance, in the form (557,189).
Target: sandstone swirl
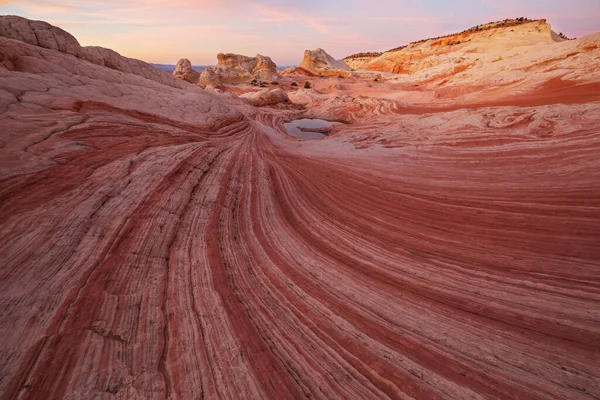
(163,242)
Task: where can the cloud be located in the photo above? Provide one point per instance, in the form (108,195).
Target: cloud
(105,22)
(41,7)
(276,15)
(402,19)
(280,16)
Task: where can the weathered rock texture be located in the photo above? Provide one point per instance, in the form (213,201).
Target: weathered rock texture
(42,34)
(185,71)
(209,77)
(159,242)
(266,97)
(319,62)
(357,61)
(235,68)
(466,47)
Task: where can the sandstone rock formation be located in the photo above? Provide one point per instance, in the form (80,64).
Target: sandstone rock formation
(42,34)
(466,47)
(236,68)
(319,62)
(209,77)
(266,97)
(265,69)
(291,71)
(185,71)
(161,242)
(357,61)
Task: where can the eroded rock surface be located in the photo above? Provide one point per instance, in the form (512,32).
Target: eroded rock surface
(266,97)
(185,71)
(318,62)
(161,242)
(465,48)
(209,77)
(236,68)
(42,34)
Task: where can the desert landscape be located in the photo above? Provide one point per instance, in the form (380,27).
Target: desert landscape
(417,223)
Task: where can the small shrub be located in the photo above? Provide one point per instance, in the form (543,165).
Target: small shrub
(294,84)
(376,80)
(306,85)
(562,35)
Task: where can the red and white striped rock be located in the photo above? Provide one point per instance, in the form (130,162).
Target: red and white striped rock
(163,242)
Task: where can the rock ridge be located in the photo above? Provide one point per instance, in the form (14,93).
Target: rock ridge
(43,34)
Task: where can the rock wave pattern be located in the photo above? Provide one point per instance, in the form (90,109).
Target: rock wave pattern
(184,247)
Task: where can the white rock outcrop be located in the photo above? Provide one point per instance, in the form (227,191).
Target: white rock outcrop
(319,62)
(185,71)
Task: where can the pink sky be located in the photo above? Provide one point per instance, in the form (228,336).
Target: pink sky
(165,31)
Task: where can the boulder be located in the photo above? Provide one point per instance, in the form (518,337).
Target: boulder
(209,77)
(266,97)
(185,71)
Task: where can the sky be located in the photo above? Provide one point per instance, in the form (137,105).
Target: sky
(164,31)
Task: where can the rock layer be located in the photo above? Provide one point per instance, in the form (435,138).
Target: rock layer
(357,61)
(161,242)
(468,46)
